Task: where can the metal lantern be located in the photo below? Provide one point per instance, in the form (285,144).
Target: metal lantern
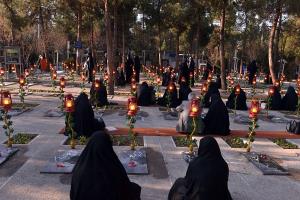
(2,71)
(195,109)
(132,106)
(133,86)
(204,88)
(271,91)
(6,101)
(158,80)
(277,83)
(106,77)
(237,90)
(62,82)
(22,80)
(97,84)
(26,72)
(171,87)
(54,75)
(254,109)
(132,79)
(69,103)
(254,81)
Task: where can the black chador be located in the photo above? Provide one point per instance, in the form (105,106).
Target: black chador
(191,71)
(183,71)
(206,177)
(129,69)
(184,91)
(99,174)
(275,100)
(166,77)
(212,89)
(145,95)
(290,100)
(100,95)
(137,68)
(252,69)
(217,119)
(170,97)
(240,100)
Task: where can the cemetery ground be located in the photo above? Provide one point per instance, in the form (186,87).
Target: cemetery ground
(20,176)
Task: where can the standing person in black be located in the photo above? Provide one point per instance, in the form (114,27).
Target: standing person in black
(137,68)
(128,68)
(252,69)
(184,71)
(91,65)
(191,71)
(206,177)
(99,174)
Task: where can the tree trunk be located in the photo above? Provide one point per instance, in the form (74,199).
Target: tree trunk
(222,51)
(79,20)
(276,45)
(159,46)
(271,41)
(109,49)
(177,49)
(115,40)
(123,41)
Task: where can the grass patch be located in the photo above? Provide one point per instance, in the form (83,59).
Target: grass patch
(43,91)
(181,141)
(23,138)
(235,142)
(82,140)
(283,143)
(122,140)
(27,105)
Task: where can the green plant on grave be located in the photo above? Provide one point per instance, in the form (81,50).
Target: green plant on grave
(83,140)
(284,143)
(53,84)
(7,126)
(131,134)
(253,112)
(61,98)
(69,129)
(22,96)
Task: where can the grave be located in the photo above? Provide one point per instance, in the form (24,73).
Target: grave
(272,119)
(53,113)
(6,153)
(134,162)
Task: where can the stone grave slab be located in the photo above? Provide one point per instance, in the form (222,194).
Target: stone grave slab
(134,162)
(272,119)
(6,153)
(62,163)
(292,116)
(53,113)
(241,119)
(18,111)
(265,164)
(188,157)
(141,115)
(170,115)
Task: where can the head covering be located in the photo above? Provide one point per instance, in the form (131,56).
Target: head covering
(98,174)
(217,119)
(212,89)
(172,96)
(144,95)
(207,175)
(184,91)
(290,100)
(240,100)
(275,100)
(101,94)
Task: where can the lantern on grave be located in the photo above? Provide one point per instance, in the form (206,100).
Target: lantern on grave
(6,101)
(158,80)
(277,83)
(2,71)
(254,109)
(69,103)
(132,79)
(171,87)
(194,109)
(254,81)
(204,88)
(132,106)
(97,84)
(106,76)
(62,82)
(191,74)
(237,90)
(21,80)
(54,75)
(26,73)
(271,91)
(133,86)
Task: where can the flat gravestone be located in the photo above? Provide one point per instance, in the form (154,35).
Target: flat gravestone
(241,119)
(63,162)
(134,162)
(265,164)
(170,115)
(18,111)
(141,115)
(6,153)
(292,116)
(272,119)
(53,113)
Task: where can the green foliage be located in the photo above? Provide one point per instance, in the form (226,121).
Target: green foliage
(181,141)
(284,143)
(235,142)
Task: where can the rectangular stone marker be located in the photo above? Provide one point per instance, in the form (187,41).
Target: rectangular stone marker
(134,162)
(265,164)
(18,111)
(62,163)
(53,113)
(6,153)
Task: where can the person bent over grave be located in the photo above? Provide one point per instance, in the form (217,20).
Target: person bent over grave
(84,122)
(145,95)
(184,123)
(290,100)
(216,120)
(212,89)
(184,91)
(99,174)
(240,100)
(170,96)
(206,177)
(100,96)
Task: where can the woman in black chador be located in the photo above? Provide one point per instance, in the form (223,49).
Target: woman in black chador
(252,69)
(218,81)
(184,91)
(98,173)
(120,77)
(128,68)
(184,71)
(240,101)
(212,89)
(290,100)
(84,122)
(101,94)
(137,68)
(206,177)
(172,95)
(91,65)
(145,95)
(217,119)
(191,71)
(275,100)
(166,77)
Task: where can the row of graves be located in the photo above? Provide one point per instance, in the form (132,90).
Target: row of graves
(134,158)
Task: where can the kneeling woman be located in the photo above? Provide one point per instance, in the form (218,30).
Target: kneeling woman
(99,174)
(170,96)
(99,95)
(206,177)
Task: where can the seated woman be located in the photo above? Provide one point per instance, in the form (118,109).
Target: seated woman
(170,97)
(275,100)
(290,100)
(145,95)
(218,81)
(184,123)
(206,177)
(216,120)
(99,174)
(212,89)
(184,91)
(166,77)
(240,101)
(100,95)
(83,117)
